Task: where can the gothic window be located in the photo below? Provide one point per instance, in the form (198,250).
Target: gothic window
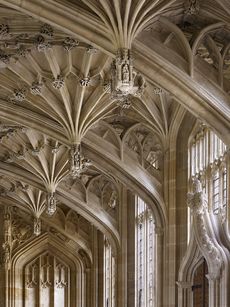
(145,255)
(209,162)
(109,276)
(46,282)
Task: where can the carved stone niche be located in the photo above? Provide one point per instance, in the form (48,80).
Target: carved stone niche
(146,148)
(152,153)
(110,199)
(133,146)
(125,82)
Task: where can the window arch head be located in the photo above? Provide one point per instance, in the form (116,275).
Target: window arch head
(208,161)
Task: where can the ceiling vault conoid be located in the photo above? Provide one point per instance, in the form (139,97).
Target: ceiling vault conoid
(82,80)
(101,14)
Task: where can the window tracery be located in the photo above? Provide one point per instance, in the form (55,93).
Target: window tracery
(109,276)
(209,162)
(145,251)
(46,282)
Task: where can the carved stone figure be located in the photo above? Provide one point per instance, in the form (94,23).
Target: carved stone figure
(113,200)
(78,164)
(125,73)
(6,257)
(51,203)
(125,82)
(37,226)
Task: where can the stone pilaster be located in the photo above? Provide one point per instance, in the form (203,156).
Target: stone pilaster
(94,271)
(184,293)
(159,252)
(100,281)
(214,291)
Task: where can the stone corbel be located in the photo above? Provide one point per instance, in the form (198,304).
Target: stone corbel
(204,235)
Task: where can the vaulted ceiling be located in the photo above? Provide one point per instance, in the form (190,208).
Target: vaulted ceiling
(56,60)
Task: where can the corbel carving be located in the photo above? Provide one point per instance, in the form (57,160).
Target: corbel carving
(202,230)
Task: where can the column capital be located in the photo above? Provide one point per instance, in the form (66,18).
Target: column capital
(184,284)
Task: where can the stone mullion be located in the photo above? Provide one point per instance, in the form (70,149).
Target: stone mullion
(122,253)
(101,293)
(110,274)
(113,281)
(94,274)
(2,267)
(68,298)
(147,254)
(145,259)
(131,267)
(88,293)
(170,261)
(52,288)
(228,189)
(158,263)
(39,283)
